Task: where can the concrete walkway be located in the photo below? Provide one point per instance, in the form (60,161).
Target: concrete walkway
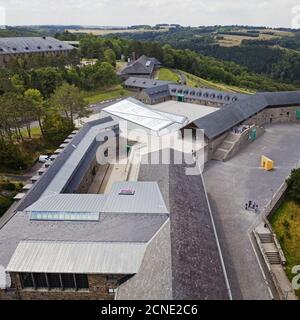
(230,185)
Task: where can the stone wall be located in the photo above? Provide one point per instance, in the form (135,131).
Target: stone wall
(215,143)
(274,115)
(244,140)
(99,287)
(267,116)
(88,178)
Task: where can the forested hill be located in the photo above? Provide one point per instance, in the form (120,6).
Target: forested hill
(275,54)
(184,54)
(187,60)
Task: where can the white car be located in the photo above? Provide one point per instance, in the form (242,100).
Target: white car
(43,158)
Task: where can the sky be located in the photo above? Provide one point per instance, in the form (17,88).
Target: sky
(273,13)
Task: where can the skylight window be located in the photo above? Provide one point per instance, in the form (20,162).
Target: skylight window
(64,216)
(127,192)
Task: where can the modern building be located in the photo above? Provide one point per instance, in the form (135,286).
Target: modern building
(61,240)
(12,48)
(90,229)
(143,67)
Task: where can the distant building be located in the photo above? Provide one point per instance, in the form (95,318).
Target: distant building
(143,67)
(12,48)
(138,84)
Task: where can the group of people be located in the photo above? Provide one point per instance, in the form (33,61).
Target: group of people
(240,129)
(251,205)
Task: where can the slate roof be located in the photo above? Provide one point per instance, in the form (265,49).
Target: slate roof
(183,260)
(159,92)
(128,221)
(144,83)
(44,181)
(32,45)
(217,123)
(143,65)
(209,95)
(129,227)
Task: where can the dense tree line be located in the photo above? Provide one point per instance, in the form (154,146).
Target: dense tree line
(206,67)
(293,183)
(264,57)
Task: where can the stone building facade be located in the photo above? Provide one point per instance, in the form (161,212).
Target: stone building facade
(100,287)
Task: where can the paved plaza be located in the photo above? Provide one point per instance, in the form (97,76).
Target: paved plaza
(231,184)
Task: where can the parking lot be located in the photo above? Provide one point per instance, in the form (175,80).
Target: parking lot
(233,183)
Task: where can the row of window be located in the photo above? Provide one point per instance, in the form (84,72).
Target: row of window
(54,281)
(27,48)
(205,95)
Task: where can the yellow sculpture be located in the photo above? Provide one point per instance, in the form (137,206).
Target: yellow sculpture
(267,163)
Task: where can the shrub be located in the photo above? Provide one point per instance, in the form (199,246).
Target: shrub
(293,183)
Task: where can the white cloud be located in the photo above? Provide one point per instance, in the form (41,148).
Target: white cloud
(128,12)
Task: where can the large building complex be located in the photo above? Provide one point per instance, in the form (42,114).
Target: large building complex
(88,228)
(84,230)
(12,48)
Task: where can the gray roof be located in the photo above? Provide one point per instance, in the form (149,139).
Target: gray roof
(66,172)
(209,95)
(147,198)
(183,260)
(143,65)
(197,271)
(159,92)
(69,203)
(205,94)
(217,123)
(32,45)
(58,168)
(77,257)
(143,83)
(154,279)
(121,227)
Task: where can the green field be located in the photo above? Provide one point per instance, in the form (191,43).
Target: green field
(168,75)
(286,224)
(35,132)
(194,81)
(103,95)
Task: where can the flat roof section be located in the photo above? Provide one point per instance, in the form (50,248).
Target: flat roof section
(135,197)
(69,203)
(190,110)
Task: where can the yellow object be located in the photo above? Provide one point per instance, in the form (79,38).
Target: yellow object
(267,163)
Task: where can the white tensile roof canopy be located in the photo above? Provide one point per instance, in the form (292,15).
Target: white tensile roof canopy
(136,112)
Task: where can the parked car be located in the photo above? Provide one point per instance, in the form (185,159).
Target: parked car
(43,158)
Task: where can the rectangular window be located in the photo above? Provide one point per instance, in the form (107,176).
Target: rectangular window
(40,280)
(81,281)
(26,280)
(68,281)
(54,281)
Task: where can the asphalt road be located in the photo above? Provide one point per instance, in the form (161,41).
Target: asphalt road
(230,185)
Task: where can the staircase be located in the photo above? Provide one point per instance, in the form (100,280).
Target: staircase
(270,249)
(266,237)
(227,145)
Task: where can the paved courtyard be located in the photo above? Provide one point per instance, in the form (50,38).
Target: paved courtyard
(233,183)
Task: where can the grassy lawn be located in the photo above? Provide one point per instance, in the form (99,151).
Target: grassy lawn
(120,65)
(194,81)
(286,224)
(168,75)
(106,94)
(35,132)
